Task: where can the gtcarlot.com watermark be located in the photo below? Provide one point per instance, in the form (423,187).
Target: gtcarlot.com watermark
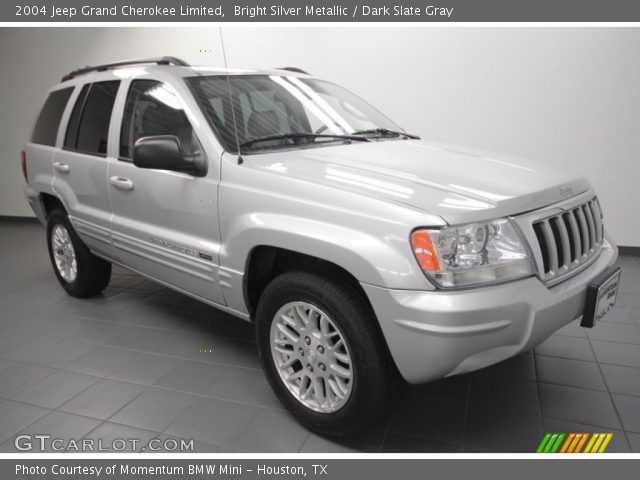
(43,443)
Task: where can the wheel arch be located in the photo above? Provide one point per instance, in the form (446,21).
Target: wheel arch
(265,262)
(49,203)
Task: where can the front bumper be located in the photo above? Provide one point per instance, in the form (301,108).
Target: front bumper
(435,334)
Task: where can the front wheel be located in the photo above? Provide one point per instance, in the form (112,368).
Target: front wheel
(79,271)
(323,353)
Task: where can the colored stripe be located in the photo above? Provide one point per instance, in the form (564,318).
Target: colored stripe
(582,440)
(606,442)
(599,440)
(543,443)
(552,440)
(590,444)
(567,443)
(558,443)
(574,443)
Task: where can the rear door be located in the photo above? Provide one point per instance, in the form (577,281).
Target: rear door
(165,223)
(81,166)
(42,145)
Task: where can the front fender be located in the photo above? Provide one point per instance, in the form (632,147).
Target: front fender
(381,260)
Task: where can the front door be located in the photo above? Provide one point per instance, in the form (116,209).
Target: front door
(164,224)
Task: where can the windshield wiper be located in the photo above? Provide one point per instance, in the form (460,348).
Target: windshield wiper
(307,135)
(386,132)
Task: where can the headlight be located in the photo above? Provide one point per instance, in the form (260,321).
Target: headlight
(472,254)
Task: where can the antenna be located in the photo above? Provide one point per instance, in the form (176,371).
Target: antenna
(233,110)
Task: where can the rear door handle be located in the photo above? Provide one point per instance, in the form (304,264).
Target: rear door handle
(121,183)
(61,167)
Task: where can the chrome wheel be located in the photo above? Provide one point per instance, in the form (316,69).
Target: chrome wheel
(311,357)
(64,254)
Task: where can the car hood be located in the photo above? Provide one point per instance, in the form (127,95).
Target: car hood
(458,184)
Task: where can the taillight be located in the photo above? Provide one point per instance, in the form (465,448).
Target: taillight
(23,163)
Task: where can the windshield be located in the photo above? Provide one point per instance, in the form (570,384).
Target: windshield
(284,111)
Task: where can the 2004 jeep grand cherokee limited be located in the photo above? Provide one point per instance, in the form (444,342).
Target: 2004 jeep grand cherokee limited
(363,255)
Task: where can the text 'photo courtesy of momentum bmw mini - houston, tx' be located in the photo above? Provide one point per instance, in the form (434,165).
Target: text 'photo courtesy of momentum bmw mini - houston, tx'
(366,257)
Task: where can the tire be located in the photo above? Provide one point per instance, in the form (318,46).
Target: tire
(79,271)
(372,386)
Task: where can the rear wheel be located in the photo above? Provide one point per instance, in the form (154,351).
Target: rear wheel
(79,271)
(323,353)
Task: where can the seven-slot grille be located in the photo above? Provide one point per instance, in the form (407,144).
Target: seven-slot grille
(569,239)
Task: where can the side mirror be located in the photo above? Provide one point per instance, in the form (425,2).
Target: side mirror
(163,152)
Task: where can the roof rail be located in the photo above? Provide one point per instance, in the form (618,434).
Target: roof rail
(294,69)
(124,63)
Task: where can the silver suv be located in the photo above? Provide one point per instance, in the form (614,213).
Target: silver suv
(363,255)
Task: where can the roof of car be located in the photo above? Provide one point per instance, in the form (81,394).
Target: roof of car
(179,67)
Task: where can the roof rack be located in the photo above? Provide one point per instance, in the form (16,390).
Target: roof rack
(294,69)
(108,66)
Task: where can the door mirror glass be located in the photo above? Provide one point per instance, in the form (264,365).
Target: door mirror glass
(164,152)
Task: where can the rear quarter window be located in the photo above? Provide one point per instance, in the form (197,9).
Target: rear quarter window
(46,128)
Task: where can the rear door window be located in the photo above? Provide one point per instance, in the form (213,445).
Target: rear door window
(71,136)
(88,129)
(46,128)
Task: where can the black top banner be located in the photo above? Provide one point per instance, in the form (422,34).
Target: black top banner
(320,11)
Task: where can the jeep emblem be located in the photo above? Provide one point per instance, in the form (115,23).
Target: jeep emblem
(566,192)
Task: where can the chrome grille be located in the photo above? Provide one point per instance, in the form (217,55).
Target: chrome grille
(569,239)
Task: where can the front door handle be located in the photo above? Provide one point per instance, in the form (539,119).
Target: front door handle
(61,167)
(121,183)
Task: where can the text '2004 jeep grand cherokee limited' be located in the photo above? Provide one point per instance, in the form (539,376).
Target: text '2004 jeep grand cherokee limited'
(362,254)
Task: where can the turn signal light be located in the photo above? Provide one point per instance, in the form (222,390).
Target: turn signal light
(424,251)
